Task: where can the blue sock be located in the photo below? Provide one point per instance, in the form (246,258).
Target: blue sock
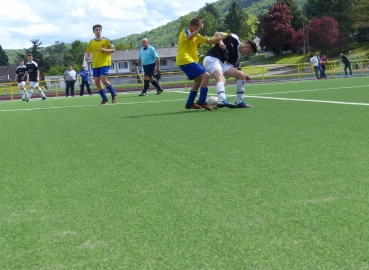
(102,94)
(203,94)
(191,97)
(111,90)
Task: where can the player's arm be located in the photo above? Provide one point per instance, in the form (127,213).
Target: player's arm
(87,56)
(221,43)
(158,64)
(38,76)
(16,79)
(27,77)
(211,41)
(194,33)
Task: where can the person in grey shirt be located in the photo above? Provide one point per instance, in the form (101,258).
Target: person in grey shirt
(70,78)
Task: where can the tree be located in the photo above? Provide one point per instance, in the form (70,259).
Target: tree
(210,24)
(77,51)
(338,9)
(4,61)
(38,56)
(236,21)
(278,31)
(360,17)
(56,54)
(212,10)
(296,12)
(332,37)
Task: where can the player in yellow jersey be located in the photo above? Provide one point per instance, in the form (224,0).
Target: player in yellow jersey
(187,59)
(101,48)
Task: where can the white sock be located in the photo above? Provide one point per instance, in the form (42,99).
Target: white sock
(41,92)
(220,91)
(240,90)
(30,92)
(23,94)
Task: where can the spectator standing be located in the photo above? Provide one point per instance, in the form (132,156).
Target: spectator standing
(70,78)
(151,63)
(323,65)
(347,63)
(84,75)
(316,63)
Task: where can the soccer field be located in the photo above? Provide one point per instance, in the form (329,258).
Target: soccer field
(146,184)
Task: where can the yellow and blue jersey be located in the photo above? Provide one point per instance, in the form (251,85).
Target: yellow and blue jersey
(187,49)
(100,59)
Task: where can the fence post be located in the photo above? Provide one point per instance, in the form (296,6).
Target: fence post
(262,73)
(298,72)
(11,91)
(56,89)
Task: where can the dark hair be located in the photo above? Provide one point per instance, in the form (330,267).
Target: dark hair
(29,54)
(253,45)
(195,22)
(96,25)
(20,60)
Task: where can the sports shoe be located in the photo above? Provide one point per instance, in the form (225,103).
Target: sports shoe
(193,106)
(159,91)
(142,95)
(205,105)
(43,98)
(226,103)
(243,104)
(104,101)
(26,100)
(115,97)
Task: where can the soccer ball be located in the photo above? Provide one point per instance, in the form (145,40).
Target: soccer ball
(212,101)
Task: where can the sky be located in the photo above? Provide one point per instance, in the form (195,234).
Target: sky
(69,20)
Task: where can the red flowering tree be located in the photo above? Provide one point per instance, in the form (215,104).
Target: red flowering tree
(277,27)
(323,33)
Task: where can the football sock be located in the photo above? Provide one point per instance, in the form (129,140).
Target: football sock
(24,94)
(220,91)
(156,84)
(111,90)
(41,92)
(240,86)
(191,97)
(30,92)
(203,94)
(102,94)
(146,86)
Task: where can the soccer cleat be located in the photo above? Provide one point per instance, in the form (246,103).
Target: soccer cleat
(243,104)
(26,100)
(205,105)
(226,103)
(43,98)
(114,99)
(142,95)
(104,101)
(159,91)
(193,106)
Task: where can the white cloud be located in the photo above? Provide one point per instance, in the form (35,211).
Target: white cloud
(68,20)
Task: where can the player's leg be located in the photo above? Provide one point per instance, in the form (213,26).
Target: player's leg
(30,92)
(82,88)
(240,86)
(67,87)
(193,71)
(72,88)
(98,83)
(104,71)
(40,91)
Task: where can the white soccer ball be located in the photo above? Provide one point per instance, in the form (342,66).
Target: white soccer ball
(212,101)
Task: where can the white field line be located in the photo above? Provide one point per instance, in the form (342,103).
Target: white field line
(82,106)
(305,100)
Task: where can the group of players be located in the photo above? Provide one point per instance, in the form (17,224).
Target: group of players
(28,73)
(220,61)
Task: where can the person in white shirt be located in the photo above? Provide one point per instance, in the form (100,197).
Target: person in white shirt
(70,78)
(316,63)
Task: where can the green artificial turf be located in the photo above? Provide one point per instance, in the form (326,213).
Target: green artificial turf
(146,184)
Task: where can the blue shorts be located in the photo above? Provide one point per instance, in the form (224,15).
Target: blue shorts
(97,72)
(193,70)
(149,70)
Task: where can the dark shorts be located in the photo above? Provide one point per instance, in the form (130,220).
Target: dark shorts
(149,70)
(97,72)
(193,70)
